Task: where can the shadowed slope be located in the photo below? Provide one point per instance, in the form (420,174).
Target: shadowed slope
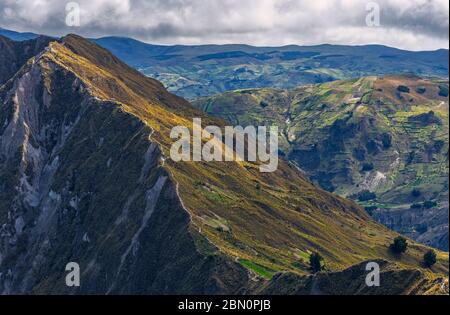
(14,55)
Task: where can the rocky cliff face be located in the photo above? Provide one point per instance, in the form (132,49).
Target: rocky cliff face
(85,178)
(14,55)
(74,188)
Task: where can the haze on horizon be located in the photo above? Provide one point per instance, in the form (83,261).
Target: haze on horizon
(405,24)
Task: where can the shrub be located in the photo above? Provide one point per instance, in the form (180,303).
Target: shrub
(415,192)
(438,145)
(410,157)
(399,245)
(429,204)
(403,89)
(263,104)
(421,89)
(359,154)
(415,206)
(315,262)
(386,139)
(366,195)
(367,167)
(443,90)
(372,147)
(429,259)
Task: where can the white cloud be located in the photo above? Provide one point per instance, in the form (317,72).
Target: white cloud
(409,24)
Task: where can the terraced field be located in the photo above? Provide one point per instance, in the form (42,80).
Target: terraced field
(382,141)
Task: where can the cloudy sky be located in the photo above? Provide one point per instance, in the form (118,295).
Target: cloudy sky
(407,24)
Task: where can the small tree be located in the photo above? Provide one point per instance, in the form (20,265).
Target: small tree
(367,167)
(403,88)
(416,192)
(366,195)
(315,262)
(429,259)
(399,245)
(443,90)
(421,89)
(429,204)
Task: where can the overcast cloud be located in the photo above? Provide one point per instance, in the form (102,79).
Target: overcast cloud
(407,24)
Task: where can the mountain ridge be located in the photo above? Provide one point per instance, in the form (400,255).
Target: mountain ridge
(136,217)
(203,70)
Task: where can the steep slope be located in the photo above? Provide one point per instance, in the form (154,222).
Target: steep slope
(81,181)
(384,135)
(86,177)
(14,55)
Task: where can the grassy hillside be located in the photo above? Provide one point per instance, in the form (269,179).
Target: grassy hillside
(270,226)
(383,135)
(149,224)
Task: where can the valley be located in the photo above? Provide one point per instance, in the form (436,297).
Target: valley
(382,141)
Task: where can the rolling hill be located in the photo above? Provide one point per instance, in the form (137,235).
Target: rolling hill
(195,71)
(17,36)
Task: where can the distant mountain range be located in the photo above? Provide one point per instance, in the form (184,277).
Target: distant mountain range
(194,71)
(204,70)
(18,36)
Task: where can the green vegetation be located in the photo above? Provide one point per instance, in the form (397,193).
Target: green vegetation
(429,204)
(258,269)
(399,245)
(421,89)
(429,259)
(416,192)
(212,209)
(443,90)
(403,89)
(263,104)
(364,195)
(367,167)
(315,262)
